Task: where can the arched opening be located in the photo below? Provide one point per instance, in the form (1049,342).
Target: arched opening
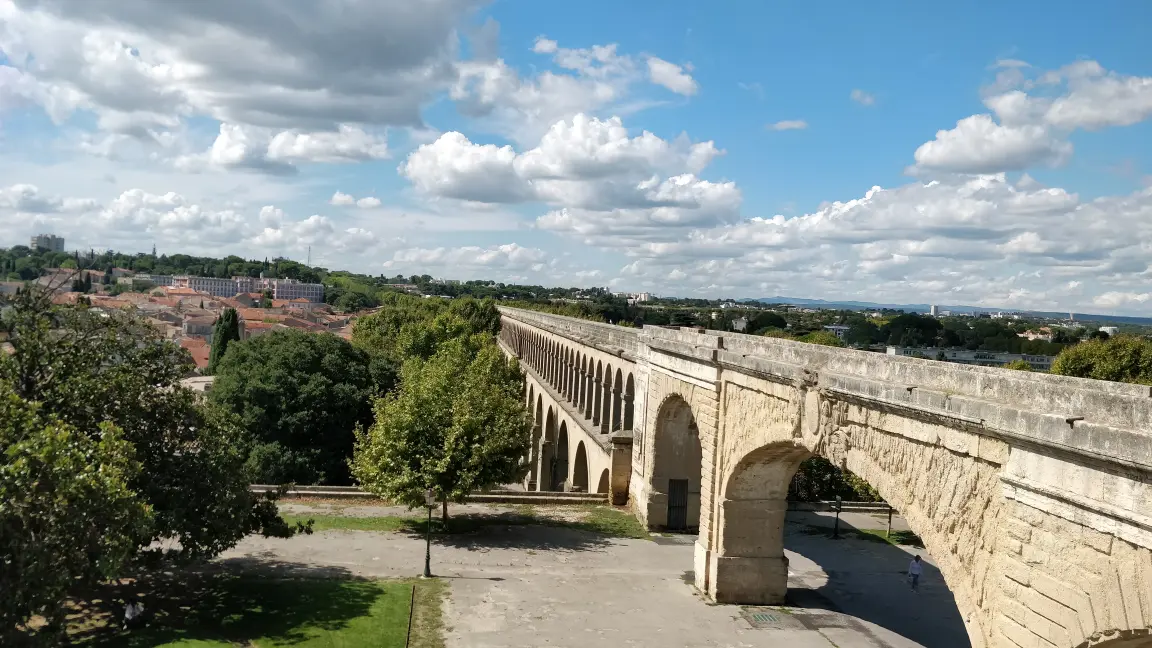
(534,453)
(548,453)
(602,487)
(597,393)
(629,394)
(580,470)
(582,383)
(617,395)
(674,502)
(606,406)
(560,461)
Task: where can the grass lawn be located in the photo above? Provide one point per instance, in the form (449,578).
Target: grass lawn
(603,520)
(225,610)
(906,538)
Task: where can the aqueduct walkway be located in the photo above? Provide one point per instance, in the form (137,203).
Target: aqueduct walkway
(1032,491)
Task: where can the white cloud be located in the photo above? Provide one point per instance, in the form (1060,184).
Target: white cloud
(591,80)
(310,68)
(28,199)
(259,149)
(980,145)
(788,124)
(1033,129)
(862,98)
(347,144)
(505,257)
(341,199)
(454,167)
(671,76)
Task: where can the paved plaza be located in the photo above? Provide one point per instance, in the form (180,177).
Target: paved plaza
(529,586)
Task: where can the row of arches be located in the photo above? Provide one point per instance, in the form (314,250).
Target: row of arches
(601,393)
(556,466)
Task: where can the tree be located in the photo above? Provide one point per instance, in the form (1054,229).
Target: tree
(456,424)
(1019,365)
(824,338)
(227,330)
(67,513)
(300,396)
(87,368)
(1121,358)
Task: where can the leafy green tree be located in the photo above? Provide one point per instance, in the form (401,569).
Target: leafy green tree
(823,338)
(67,514)
(862,333)
(1121,358)
(86,369)
(766,319)
(778,333)
(818,479)
(456,424)
(299,396)
(1019,365)
(350,302)
(226,331)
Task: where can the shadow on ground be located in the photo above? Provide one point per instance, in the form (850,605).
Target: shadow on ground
(512,530)
(867,579)
(220,603)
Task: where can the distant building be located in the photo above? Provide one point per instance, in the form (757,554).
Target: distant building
(1110,330)
(934,310)
(740,324)
(47,243)
(979,358)
(839,330)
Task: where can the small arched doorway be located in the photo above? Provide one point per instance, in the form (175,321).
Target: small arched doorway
(580,470)
(560,460)
(602,487)
(674,502)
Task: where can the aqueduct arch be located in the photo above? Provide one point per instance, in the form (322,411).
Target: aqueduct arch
(1033,492)
(580,469)
(674,502)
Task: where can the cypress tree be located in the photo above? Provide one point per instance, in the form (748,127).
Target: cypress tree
(227,329)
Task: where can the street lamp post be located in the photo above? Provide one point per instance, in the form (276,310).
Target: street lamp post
(836,529)
(430,502)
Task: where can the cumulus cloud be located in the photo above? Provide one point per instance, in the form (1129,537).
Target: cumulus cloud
(671,76)
(591,79)
(28,199)
(788,124)
(247,147)
(600,179)
(1033,128)
(980,145)
(340,199)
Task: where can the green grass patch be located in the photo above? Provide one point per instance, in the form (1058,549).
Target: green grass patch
(388,523)
(603,520)
(225,610)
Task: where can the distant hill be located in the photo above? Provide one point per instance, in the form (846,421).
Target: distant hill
(924,308)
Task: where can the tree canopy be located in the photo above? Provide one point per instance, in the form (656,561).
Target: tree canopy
(299,396)
(226,331)
(457,423)
(1121,358)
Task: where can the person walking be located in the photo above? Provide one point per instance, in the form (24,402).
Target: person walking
(915,568)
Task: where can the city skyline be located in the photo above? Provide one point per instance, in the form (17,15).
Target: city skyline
(738,152)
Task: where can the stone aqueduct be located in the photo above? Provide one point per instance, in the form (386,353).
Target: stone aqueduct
(1033,492)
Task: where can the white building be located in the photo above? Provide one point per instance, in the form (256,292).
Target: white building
(290,289)
(211,285)
(47,243)
(839,330)
(1110,330)
(934,310)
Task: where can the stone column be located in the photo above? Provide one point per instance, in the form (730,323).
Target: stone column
(620,473)
(749,566)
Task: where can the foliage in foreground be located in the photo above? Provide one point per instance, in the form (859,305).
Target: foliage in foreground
(226,331)
(1123,358)
(299,396)
(110,378)
(66,513)
(456,424)
(818,479)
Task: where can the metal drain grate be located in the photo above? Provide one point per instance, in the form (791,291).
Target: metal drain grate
(773,619)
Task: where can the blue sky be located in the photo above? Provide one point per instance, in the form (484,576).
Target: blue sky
(674,147)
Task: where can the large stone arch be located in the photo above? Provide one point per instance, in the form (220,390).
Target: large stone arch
(561,460)
(537,409)
(580,469)
(676,459)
